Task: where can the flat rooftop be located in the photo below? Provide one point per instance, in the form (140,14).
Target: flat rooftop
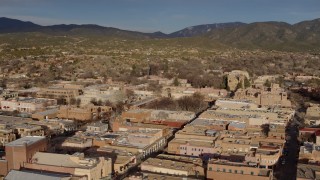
(230,163)
(36,175)
(153,176)
(120,159)
(308,171)
(47,112)
(64,160)
(234,100)
(187,159)
(28,140)
(145,125)
(170,164)
(12,119)
(193,142)
(214,114)
(208,122)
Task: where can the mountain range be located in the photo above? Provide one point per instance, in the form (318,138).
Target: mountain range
(270,35)
(8,25)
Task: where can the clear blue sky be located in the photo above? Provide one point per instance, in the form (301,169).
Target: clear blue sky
(158,15)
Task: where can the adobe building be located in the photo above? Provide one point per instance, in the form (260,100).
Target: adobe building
(195,141)
(76,164)
(77,143)
(236,77)
(87,113)
(101,92)
(65,92)
(313,114)
(174,119)
(21,151)
(130,126)
(136,115)
(32,174)
(174,165)
(235,103)
(228,170)
(151,176)
(46,114)
(6,134)
(6,94)
(274,96)
(192,148)
(210,94)
(23,130)
(142,142)
(274,115)
(97,127)
(122,160)
(27,105)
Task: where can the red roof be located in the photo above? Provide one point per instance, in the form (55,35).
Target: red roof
(311,130)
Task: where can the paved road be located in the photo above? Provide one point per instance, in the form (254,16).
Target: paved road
(288,170)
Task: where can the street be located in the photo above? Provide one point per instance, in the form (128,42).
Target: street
(286,168)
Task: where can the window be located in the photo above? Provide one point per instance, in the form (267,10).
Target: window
(241,172)
(210,168)
(235,171)
(218,169)
(224,170)
(230,171)
(252,173)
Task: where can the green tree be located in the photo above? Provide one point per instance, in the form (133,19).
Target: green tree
(99,102)
(267,83)
(224,84)
(280,81)
(93,101)
(134,70)
(246,82)
(176,82)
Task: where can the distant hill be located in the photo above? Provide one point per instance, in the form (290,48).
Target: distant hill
(255,34)
(8,25)
(308,31)
(203,29)
(302,36)
(270,35)
(12,25)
